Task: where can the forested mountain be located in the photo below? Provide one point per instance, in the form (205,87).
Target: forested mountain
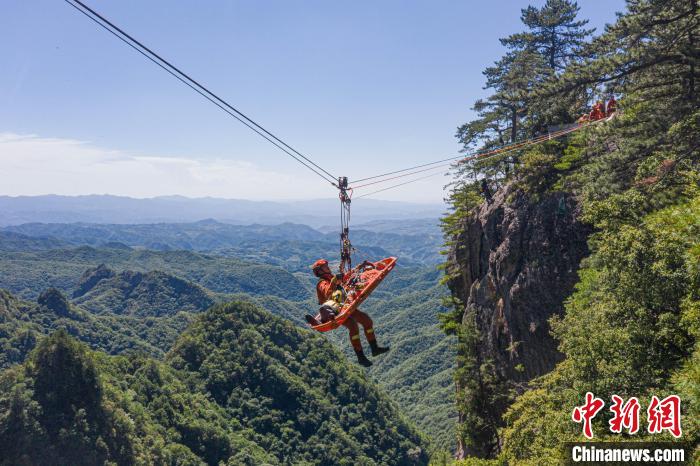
(241,386)
(134,308)
(12,241)
(296,256)
(28,273)
(201,236)
(588,243)
(138,294)
(23,323)
(572,266)
(338,407)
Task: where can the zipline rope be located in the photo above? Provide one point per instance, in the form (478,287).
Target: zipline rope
(200,89)
(441,172)
(478,155)
(455,157)
(400,184)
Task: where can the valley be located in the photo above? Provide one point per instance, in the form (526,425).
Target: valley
(119,291)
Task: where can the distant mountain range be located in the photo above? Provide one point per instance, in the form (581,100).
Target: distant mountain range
(117,209)
(28,273)
(288,245)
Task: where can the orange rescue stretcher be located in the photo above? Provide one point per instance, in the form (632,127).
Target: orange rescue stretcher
(358,284)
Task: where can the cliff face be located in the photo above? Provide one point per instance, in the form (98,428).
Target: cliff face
(513,263)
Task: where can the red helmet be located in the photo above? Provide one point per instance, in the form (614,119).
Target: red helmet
(318,265)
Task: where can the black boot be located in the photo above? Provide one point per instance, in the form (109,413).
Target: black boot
(362,359)
(311,320)
(376,349)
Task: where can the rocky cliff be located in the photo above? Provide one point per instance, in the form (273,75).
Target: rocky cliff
(512,264)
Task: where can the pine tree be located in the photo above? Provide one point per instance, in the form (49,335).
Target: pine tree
(554,37)
(553,31)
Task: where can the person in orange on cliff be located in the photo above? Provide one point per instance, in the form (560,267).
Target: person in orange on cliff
(598,111)
(327,285)
(612,106)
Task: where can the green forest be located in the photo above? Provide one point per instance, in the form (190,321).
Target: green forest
(240,386)
(145,316)
(562,267)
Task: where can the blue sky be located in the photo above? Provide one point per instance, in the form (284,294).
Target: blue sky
(361,87)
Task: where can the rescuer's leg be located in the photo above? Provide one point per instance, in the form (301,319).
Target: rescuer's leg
(367,324)
(311,320)
(354,330)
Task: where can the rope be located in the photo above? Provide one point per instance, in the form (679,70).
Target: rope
(399,184)
(199,88)
(400,176)
(410,168)
(481,156)
(478,155)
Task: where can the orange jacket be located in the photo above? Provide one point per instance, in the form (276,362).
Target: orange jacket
(324,289)
(598,111)
(612,106)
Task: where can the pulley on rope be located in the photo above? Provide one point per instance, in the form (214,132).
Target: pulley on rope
(346,249)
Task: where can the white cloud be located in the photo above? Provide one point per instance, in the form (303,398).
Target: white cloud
(33,165)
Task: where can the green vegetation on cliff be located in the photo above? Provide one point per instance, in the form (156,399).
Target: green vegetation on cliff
(630,329)
(631,326)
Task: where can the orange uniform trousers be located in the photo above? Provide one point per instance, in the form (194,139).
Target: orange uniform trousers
(351,324)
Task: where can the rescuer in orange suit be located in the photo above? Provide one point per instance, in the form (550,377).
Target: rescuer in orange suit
(326,286)
(598,111)
(612,106)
